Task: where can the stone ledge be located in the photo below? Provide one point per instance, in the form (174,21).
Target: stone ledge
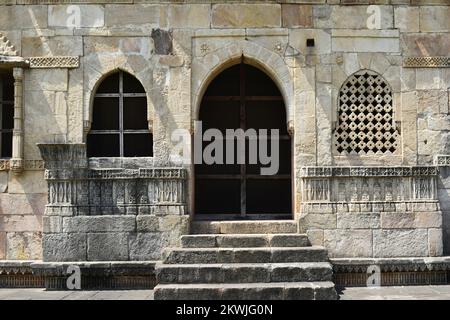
(391,171)
(16,267)
(407,264)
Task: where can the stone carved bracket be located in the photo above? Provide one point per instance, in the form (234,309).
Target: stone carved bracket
(426,62)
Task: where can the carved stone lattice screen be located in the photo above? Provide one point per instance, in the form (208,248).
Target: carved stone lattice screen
(365,124)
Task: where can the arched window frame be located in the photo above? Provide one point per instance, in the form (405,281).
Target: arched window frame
(364,149)
(121,131)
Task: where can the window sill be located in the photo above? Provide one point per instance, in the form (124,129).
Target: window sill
(121,163)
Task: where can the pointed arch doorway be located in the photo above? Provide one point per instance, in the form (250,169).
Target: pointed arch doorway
(244,97)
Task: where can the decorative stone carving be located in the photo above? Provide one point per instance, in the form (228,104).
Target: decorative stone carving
(6,48)
(365,116)
(426,62)
(442,160)
(55,62)
(4,165)
(310,172)
(75,189)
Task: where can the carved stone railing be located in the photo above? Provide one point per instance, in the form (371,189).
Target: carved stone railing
(369,189)
(379,212)
(75,189)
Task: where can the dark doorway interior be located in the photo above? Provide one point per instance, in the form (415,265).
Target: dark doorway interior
(244,97)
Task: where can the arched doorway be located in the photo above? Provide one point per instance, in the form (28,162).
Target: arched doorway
(244,97)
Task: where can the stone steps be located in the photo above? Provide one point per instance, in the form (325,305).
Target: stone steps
(247,264)
(244,255)
(244,240)
(244,273)
(244,227)
(323,290)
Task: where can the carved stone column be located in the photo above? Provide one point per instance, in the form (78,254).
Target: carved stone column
(17,161)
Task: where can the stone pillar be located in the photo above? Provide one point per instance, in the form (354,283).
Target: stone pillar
(17,161)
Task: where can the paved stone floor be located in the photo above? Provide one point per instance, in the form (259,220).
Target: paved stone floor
(382,293)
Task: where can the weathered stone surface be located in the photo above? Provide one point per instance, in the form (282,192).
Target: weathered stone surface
(365,40)
(174,223)
(2,245)
(406,19)
(322,221)
(397,220)
(29,17)
(434,19)
(28,182)
(358,220)
(3,182)
(20,223)
(246,15)
(417,44)
(139,15)
(90,16)
(147,246)
(52,46)
(163,41)
(52,224)
(348,243)
(315,236)
(322,41)
(428,220)
(107,246)
(189,16)
(435,242)
(429,79)
(147,223)
(46,80)
(295,15)
(64,247)
(24,246)
(400,243)
(339,17)
(112,223)
(24,204)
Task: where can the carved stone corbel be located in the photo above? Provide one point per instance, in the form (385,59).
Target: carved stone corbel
(17,161)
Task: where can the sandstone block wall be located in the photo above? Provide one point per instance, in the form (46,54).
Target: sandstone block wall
(175,49)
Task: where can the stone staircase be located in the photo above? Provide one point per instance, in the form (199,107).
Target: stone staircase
(234,262)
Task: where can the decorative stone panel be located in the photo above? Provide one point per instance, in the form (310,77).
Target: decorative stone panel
(104,206)
(387,205)
(365,116)
(426,62)
(54,62)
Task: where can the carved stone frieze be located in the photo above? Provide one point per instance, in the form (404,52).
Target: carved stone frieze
(54,62)
(426,62)
(76,189)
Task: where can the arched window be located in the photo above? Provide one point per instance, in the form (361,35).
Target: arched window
(119,119)
(6,113)
(366,123)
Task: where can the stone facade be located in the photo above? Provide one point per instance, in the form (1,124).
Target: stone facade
(383,203)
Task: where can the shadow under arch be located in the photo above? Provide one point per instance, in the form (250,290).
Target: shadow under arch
(250,53)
